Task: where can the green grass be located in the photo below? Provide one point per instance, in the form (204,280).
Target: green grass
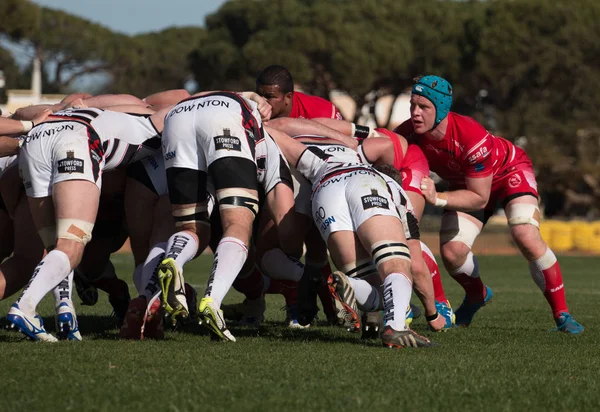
(507,359)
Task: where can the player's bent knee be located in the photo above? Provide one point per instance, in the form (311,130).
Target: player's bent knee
(453,252)
(388,253)
(458,229)
(523,214)
(76,230)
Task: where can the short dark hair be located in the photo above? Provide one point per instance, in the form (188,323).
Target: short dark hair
(275,75)
(389,170)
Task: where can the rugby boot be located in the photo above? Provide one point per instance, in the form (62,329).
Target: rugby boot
(173,300)
(325,297)
(191,297)
(466,311)
(118,298)
(372,323)
(67,327)
(254,311)
(154,325)
(32,327)
(292,318)
(409,315)
(403,339)
(565,323)
(212,319)
(87,292)
(134,319)
(446,311)
(416,311)
(344,300)
(308,287)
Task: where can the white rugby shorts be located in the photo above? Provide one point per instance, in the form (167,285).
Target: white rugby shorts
(345,201)
(55,152)
(200,131)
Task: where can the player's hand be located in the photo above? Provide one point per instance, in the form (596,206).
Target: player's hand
(41,117)
(76,104)
(428,189)
(264,108)
(437,324)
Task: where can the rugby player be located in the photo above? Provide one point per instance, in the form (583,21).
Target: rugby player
(386,147)
(354,211)
(63,193)
(214,134)
(482,170)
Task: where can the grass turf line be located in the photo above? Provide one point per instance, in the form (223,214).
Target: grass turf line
(506,360)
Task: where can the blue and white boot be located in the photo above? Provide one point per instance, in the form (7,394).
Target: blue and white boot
(32,327)
(67,327)
(566,324)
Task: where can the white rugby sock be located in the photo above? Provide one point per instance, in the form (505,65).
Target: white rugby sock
(149,279)
(182,247)
(229,259)
(64,291)
(277,265)
(397,289)
(367,296)
(54,268)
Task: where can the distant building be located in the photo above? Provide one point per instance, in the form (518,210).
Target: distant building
(21,98)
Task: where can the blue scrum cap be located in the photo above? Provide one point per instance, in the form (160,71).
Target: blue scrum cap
(439,91)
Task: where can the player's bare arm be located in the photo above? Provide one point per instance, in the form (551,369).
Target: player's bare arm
(297,126)
(291,149)
(474,197)
(9,146)
(348,128)
(280,202)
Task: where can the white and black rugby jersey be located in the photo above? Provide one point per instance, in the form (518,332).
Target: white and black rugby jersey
(332,148)
(271,167)
(315,163)
(125,137)
(8,161)
(399,196)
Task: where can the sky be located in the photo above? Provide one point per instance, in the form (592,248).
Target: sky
(138,16)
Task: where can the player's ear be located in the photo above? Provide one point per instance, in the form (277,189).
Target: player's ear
(288,98)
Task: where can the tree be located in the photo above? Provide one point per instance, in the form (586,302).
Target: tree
(20,19)
(157,61)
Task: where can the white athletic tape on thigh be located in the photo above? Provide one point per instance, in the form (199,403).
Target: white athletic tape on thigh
(523,214)
(232,198)
(458,230)
(387,250)
(190,210)
(48,236)
(359,269)
(197,214)
(74,229)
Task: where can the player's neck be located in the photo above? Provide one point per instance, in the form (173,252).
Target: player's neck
(439,132)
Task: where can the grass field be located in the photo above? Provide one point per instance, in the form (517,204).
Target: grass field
(507,359)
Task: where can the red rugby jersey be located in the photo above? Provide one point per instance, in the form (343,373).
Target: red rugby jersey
(467,150)
(310,107)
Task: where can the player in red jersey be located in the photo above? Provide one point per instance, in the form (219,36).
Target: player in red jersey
(275,83)
(413,167)
(482,170)
(410,161)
